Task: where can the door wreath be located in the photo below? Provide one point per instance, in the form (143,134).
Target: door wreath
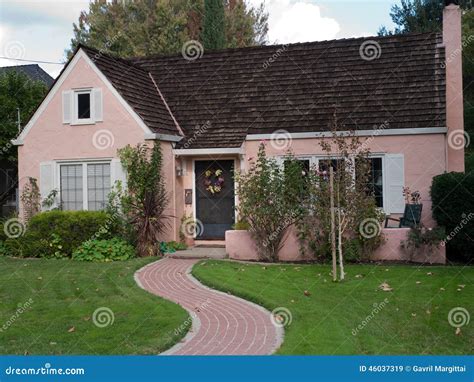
(213,181)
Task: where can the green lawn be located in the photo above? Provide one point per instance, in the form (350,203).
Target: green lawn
(413,321)
(59,298)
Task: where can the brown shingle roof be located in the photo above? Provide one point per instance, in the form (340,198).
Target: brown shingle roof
(136,86)
(224,95)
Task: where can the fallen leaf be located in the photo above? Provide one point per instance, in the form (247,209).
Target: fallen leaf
(418,282)
(53,343)
(413,314)
(71,329)
(428,312)
(385,287)
(358,276)
(264,268)
(86,318)
(429,273)
(40,278)
(292,300)
(459,289)
(306,293)
(458,331)
(461,286)
(442,289)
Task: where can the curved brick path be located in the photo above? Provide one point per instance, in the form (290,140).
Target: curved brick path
(222,324)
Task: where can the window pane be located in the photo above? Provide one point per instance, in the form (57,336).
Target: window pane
(71,187)
(375,181)
(98,185)
(84,106)
(335,163)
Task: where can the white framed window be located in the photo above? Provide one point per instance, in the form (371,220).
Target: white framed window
(82,106)
(83,111)
(377,179)
(84,185)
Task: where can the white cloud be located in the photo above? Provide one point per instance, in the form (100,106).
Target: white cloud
(297,21)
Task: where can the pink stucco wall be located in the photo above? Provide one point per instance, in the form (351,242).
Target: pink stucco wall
(454,86)
(240,246)
(49,139)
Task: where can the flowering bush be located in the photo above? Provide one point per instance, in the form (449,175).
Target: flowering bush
(269,201)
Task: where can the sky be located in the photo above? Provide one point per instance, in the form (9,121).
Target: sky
(41,30)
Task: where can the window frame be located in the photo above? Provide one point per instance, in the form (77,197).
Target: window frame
(83,163)
(314,161)
(75,117)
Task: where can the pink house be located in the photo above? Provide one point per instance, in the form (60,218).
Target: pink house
(401,94)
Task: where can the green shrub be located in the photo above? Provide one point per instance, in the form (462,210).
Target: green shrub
(104,250)
(59,233)
(241,225)
(453,208)
(171,246)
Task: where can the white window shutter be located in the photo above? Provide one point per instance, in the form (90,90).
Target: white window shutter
(118,173)
(98,109)
(67,106)
(46,178)
(395,181)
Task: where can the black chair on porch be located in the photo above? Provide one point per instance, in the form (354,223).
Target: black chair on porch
(411,216)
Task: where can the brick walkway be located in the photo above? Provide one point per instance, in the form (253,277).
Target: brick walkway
(222,324)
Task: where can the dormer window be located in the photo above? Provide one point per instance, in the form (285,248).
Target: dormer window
(83,105)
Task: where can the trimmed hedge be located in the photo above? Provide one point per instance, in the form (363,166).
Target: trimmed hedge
(453,208)
(59,233)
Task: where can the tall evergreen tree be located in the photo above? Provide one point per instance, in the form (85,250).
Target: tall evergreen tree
(213,34)
(144,27)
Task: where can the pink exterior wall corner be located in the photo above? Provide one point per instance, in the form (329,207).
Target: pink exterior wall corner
(51,140)
(452,40)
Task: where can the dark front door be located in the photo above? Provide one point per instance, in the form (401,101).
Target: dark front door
(214,197)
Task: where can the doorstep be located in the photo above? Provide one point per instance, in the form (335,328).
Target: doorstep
(200,252)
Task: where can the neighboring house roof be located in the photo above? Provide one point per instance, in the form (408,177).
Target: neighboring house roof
(221,97)
(33,71)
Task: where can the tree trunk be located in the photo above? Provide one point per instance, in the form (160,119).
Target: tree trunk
(339,237)
(333,225)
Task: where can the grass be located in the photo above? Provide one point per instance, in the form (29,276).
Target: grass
(59,298)
(413,319)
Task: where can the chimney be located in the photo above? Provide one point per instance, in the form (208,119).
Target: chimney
(452,41)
